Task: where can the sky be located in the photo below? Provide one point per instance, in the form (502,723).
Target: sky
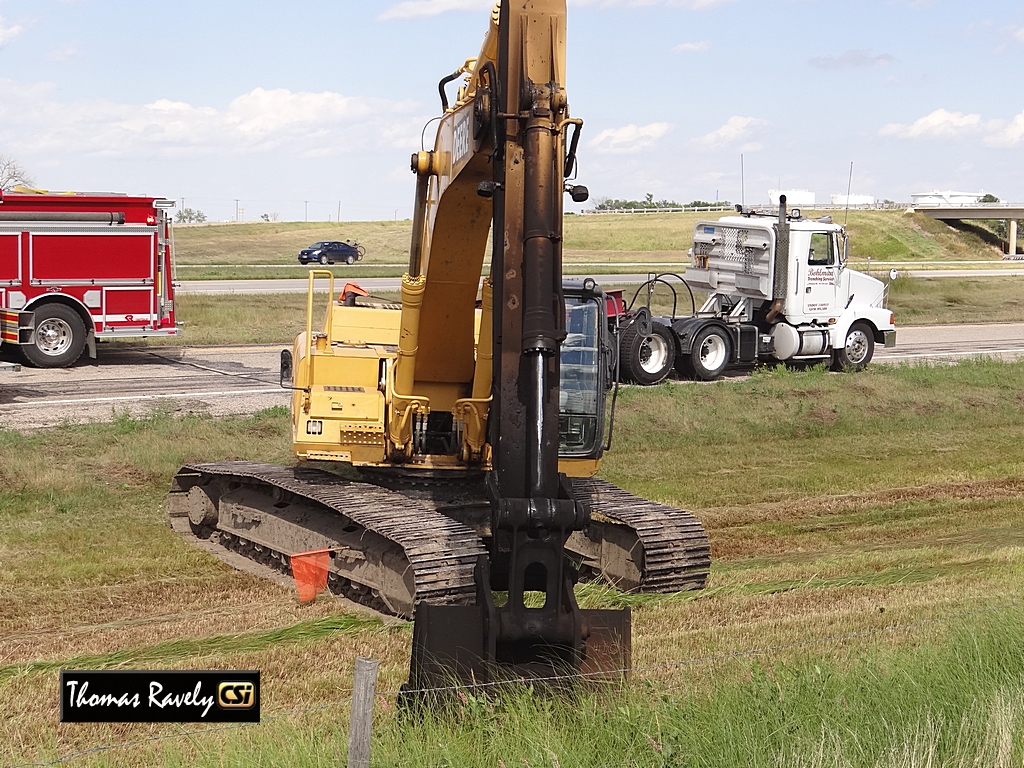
(300,109)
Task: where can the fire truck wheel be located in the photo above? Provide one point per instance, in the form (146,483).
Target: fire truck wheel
(647,360)
(59,340)
(858,350)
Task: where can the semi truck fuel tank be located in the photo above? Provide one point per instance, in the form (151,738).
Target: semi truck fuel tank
(790,342)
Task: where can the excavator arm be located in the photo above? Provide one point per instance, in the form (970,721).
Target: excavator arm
(520,101)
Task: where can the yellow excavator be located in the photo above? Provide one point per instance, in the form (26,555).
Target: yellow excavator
(448,445)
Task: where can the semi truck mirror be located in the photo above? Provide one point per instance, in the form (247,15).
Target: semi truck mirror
(286,368)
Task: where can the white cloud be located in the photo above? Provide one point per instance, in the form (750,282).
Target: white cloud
(412,9)
(942,124)
(418,8)
(628,139)
(854,58)
(735,128)
(305,124)
(8,32)
(1018,34)
(939,124)
(698,47)
(1006,134)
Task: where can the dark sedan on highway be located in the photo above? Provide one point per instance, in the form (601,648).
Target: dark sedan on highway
(331,251)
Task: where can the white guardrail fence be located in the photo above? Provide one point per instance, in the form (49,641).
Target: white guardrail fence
(731,208)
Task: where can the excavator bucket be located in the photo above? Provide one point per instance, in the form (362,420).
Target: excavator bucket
(449,651)
(457,646)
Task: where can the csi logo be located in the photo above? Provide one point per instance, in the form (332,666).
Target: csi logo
(236,695)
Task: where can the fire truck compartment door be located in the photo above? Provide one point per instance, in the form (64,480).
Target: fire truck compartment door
(127,308)
(122,257)
(10,258)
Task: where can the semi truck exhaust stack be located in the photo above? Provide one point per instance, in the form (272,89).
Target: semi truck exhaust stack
(780,268)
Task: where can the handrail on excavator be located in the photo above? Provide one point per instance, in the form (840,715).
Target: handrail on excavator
(328,321)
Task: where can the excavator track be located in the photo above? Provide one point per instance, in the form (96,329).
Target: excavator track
(386,548)
(418,539)
(644,546)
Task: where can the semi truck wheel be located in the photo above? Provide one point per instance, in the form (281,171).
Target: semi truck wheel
(647,360)
(59,340)
(858,350)
(709,356)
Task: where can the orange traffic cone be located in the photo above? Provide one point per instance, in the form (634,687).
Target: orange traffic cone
(310,572)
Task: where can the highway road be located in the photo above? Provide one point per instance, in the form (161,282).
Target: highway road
(244,379)
(218,381)
(298,285)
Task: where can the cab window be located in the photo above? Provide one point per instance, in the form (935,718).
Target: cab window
(822,253)
(580,390)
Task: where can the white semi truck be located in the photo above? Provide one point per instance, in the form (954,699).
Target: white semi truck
(778,289)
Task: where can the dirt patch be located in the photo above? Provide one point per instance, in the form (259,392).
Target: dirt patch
(823,413)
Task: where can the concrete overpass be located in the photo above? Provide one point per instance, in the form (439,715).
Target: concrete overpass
(1009,212)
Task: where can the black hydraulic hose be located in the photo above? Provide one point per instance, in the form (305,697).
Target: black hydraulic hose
(570,159)
(440,88)
(423,133)
(656,280)
(492,84)
(681,279)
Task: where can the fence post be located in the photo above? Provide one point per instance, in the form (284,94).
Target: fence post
(364,689)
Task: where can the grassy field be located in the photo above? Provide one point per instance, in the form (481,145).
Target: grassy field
(231,251)
(847,519)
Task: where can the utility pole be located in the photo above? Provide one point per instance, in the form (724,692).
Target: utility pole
(236,209)
(339,211)
(307,209)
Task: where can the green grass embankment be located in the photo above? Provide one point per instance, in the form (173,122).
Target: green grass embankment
(846,513)
(229,251)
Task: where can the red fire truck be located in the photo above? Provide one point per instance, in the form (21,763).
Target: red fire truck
(75,268)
